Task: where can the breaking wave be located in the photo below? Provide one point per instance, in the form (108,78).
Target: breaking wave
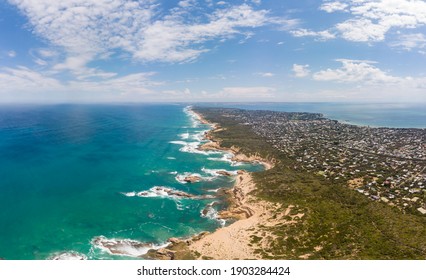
(188,177)
(124,247)
(192,147)
(226,158)
(165,192)
(194,118)
(210,212)
(219,172)
(184,136)
(70,255)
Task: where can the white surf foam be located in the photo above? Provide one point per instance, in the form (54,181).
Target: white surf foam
(192,147)
(71,256)
(194,118)
(129,194)
(161,191)
(124,247)
(184,136)
(165,192)
(214,172)
(226,158)
(199,136)
(181,177)
(210,212)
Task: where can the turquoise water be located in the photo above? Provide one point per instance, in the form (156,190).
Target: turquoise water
(397,115)
(68,173)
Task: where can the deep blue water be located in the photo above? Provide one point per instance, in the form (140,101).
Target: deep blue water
(65,171)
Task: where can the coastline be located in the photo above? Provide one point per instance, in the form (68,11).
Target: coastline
(290,212)
(253,215)
(249,212)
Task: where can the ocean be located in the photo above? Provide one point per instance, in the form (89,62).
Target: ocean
(106,181)
(77,178)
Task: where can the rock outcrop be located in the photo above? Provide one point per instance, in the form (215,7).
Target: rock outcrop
(192,179)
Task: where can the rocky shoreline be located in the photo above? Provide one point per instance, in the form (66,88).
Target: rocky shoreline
(233,241)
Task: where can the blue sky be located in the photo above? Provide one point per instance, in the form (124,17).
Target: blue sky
(206,50)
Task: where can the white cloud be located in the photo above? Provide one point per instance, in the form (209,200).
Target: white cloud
(11,54)
(90,29)
(43,57)
(247,92)
(362,30)
(22,80)
(266,74)
(410,41)
(134,83)
(331,7)
(355,71)
(371,20)
(46,53)
(320,35)
(40,61)
(363,80)
(301,71)
(178,93)
(186,3)
(77,65)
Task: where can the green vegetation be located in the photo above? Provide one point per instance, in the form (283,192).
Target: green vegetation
(338,223)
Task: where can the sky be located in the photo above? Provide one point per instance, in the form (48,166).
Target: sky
(223,51)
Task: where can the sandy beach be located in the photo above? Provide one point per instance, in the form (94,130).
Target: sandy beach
(233,241)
